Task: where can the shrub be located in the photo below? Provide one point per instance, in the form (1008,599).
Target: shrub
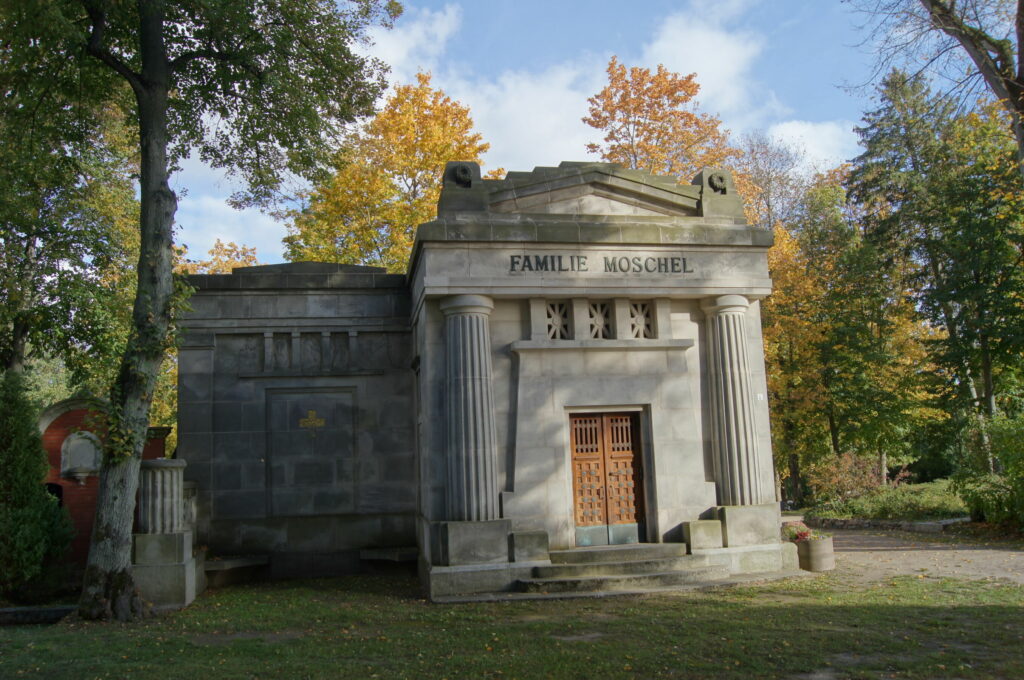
(34,531)
(844,476)
(998,496)
(934,500)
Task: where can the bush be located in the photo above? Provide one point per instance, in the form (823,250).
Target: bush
(34,531)
(838,478)
(998,496)
(934,500)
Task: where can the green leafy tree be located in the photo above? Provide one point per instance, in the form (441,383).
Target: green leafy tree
(942,197)
(387,182)
(34,531)
(261,87)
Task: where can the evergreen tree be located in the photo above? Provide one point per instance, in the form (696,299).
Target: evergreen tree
(34,531)
(942,202)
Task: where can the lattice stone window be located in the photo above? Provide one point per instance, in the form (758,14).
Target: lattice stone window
(640,323)
(558,321)
(600,314)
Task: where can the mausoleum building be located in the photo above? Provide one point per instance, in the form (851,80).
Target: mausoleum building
(573,360)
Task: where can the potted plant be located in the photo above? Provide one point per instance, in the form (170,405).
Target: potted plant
(813,548)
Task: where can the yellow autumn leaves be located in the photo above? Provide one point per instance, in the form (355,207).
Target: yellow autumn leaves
(387,181)
(387,177)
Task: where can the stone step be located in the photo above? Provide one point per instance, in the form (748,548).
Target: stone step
(584,569)
(597,584)
(619,553)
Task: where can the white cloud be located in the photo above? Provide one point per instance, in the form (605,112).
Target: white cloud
(531,118)
(202,219)
(825,143)
(700,41)
(417,41)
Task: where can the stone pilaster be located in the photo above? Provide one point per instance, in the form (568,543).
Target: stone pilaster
(471,443)
(161,496)
(734,439)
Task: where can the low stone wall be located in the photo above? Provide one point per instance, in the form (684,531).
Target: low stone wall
(934,527)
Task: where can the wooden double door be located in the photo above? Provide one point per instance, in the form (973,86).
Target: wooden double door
(607,478)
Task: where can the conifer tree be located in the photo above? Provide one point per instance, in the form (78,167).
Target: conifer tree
(34,531)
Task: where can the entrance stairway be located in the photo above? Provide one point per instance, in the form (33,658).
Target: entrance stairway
(622,568)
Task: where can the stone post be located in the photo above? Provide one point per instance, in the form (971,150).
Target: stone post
(161,496)
(471,443)
(163,566)
(734,440)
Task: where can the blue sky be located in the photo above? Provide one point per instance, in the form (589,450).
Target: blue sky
(525,69)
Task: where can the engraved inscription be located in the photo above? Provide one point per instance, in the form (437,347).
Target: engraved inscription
(631,264)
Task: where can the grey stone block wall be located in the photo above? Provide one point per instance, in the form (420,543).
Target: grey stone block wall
(297,416)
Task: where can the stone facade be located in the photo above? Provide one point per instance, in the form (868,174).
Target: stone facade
(326,409)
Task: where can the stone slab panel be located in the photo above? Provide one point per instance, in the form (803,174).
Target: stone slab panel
(703,533)
(167,585)
(528,546)
(473,542)
(161,548)
(749,524)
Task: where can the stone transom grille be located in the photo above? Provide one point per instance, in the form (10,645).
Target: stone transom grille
(558,321)
(600,320)
(640,325)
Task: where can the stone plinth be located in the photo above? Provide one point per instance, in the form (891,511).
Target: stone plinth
(163,565)
(464,543)
(472,491)
(734,441)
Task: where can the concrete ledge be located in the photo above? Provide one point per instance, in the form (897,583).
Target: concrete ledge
(476,579)
(24,616)
(405,554)
(635,344)
(932,527)
(226,563)
(748,559)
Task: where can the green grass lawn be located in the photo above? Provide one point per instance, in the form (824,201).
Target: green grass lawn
(377,626)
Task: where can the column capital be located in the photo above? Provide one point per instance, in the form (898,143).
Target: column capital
(467,304)
(721,304)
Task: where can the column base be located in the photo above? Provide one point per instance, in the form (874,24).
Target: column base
(164,569)
(460,543)
(749,524)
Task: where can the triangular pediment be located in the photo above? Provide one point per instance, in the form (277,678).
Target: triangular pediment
(592,189)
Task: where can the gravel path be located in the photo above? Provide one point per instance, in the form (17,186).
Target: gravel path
(870,556)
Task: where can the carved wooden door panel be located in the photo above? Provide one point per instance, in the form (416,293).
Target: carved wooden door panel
(607,475)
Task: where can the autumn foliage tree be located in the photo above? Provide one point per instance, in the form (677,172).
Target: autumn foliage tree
(651,122)
(223,257)
(387,181)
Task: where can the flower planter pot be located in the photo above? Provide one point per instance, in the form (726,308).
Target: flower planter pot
(816,554)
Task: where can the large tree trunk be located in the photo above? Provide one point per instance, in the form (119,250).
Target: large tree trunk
(1000,65)
(109,590)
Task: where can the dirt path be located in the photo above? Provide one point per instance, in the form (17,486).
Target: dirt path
(870,556)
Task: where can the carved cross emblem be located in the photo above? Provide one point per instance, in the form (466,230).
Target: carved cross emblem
(311,422)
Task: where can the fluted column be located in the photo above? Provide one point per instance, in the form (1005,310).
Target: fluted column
(472,446)
(734,441)
(161,496)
